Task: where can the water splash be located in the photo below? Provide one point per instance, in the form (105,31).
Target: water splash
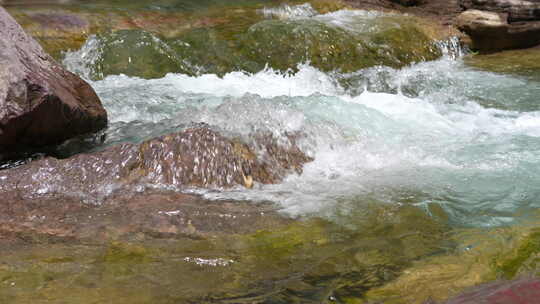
(437,131)
(423,129)
(286,11)
(83,61)
(452,48)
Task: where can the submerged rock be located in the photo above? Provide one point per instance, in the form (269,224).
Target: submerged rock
(523,291)
(40,102)
(517,62)
(56,30)
(151,214)
(185,246)
(195,157)
(133,53)
(347,41)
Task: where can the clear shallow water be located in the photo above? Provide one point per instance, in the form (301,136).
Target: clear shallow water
(438,132)
(388,145)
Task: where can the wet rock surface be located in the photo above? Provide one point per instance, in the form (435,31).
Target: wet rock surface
(524,63)
(197,157)
(524,290)
(40,102)
(152,214)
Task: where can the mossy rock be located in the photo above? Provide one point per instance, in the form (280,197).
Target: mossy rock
(515,62)
(134,53)
(283,44)
(444,275)
(523,259)
(247,44)
(219,56)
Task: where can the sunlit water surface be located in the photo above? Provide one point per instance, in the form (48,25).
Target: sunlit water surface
(434,132)
(388,145)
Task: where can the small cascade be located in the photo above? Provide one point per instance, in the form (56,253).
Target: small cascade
(452,48)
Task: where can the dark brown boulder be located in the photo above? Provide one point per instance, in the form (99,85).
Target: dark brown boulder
(514,10)
(408,2)
(40,102)
(490,31)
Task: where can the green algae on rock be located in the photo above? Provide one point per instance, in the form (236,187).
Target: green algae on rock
(516,62)
(133,53)
(481,255)
(242,41)
(317,259)
(524,258)
(367,41)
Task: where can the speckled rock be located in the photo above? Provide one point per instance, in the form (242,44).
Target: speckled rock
(197,157)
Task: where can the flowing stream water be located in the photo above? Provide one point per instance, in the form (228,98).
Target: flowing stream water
(432,133)
(463,138)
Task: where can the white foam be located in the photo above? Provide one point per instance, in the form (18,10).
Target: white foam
(441,139)
(286,11)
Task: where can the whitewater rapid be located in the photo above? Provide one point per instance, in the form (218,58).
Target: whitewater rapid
(434,132)
(439,131)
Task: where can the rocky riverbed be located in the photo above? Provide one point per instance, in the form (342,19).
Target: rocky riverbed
(269,152)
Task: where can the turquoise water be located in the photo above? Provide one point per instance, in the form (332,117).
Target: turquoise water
(465,139)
